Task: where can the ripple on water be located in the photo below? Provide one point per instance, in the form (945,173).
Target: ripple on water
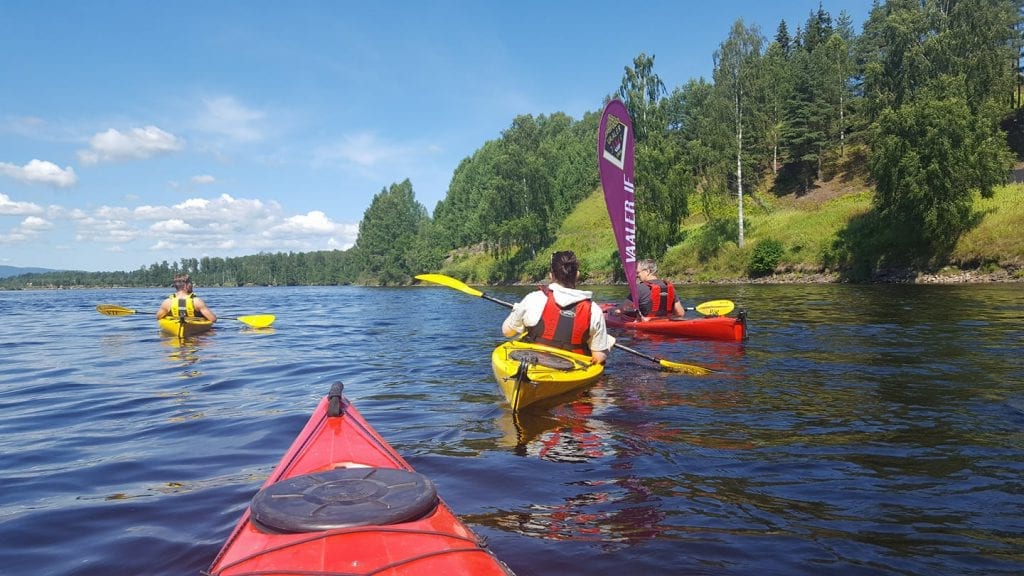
(858,431)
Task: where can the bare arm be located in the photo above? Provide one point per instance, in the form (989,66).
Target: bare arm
(679,309)
(203,309)
(513,323)
(600,340)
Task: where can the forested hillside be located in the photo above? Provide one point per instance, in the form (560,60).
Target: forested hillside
(915,120)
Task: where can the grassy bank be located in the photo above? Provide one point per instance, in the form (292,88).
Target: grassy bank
(826,234)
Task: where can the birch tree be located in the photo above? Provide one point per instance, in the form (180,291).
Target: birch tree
(735,73)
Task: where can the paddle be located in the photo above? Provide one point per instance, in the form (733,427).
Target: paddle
(462,287)
(714,307)
(255,321)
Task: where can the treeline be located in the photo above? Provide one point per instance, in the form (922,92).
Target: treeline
(924,94)
(327,267)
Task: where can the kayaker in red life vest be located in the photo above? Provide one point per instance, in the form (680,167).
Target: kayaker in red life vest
(560,315)
(184,302)
(656,297)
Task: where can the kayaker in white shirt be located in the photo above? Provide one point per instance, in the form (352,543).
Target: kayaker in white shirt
(527,315)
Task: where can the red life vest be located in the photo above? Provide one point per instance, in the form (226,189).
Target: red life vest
(663,297)
(567,328)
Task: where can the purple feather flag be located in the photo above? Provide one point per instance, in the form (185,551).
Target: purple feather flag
(615,160)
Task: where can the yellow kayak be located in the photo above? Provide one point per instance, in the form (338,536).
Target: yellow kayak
(183,329)
(529,372)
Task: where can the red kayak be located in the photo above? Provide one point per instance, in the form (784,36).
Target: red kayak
(342,501)
(730,328)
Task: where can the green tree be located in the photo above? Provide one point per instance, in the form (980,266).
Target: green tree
(568,156)
(928,157)
(816,108)
(978,39)
(641,91)
(388,232)
(834,62)
(775,85)
(520,205)
(662,180)
(697,121)
(735,73)
(895,57)
(460,219)
(663,184)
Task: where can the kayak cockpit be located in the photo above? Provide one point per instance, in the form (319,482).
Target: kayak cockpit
(343,498)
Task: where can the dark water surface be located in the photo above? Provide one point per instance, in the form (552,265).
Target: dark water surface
(861,430)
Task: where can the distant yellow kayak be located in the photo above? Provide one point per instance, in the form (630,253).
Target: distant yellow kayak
(529,372)
(183,328)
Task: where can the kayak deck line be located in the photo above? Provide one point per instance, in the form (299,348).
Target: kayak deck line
(547,360)
(475,542)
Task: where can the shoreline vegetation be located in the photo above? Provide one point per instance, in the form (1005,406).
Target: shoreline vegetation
(948,275)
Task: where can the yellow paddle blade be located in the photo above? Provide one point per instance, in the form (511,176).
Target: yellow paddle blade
(666,364)
(256,320)
(716,307)
(684,368)
(449,282)
(113,310)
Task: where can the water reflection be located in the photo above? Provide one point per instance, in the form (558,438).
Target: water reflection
(614,512)
(266,330)
(716,355)
(558,430)
(185,352)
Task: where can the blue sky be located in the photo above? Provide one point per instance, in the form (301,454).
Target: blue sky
(138,132)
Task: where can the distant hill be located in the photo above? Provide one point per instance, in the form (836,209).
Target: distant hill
(6,271)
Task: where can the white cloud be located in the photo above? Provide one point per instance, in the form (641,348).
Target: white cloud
(174,226)
(35,224)
(13,237)
(12,208)
(203,179)
(315,222)
(223,225)
(106,231)
(26,230)
(364,149)
(41,171)
(228,117)
(193,204)
(138,143)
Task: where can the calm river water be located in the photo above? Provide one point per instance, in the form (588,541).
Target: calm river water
(861,430)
